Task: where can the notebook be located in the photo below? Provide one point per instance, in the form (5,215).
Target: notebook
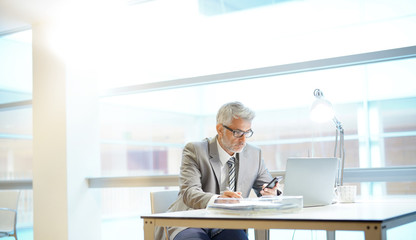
(312,178)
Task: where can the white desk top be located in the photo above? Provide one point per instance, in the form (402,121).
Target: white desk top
(371,210)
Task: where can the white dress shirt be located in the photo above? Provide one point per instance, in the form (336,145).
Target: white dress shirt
(224,157)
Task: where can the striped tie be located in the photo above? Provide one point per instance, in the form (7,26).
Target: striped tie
(231,173)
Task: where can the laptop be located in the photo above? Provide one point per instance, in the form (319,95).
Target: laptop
(312,178)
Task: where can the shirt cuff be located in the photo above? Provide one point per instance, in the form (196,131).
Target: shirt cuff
(212,200)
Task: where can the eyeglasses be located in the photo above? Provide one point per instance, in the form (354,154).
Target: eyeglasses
(239,133)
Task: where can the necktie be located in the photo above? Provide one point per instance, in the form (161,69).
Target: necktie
(231,173)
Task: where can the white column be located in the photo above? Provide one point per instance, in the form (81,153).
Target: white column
(65,143)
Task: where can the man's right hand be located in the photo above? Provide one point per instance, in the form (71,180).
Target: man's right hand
(228,194)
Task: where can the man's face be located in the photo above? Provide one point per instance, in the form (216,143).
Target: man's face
(226,139)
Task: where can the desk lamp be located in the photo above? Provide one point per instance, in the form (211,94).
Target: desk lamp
(322,111)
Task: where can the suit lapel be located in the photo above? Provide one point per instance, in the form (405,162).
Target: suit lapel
(214,159)
(241,169)
(247,170)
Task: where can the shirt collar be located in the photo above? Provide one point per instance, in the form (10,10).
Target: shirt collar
(223,155)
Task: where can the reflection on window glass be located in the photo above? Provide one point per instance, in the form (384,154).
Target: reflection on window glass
(16,67)
(16,144)
(401,188)
(147,127)
(122,209)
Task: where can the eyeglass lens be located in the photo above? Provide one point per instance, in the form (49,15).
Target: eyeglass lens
(239,133)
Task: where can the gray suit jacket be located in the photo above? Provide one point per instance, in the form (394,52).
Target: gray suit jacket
(200,172)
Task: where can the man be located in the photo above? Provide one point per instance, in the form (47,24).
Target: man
(206,175)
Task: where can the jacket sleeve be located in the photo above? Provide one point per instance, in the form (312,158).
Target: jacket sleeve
(263,176)
(193,164)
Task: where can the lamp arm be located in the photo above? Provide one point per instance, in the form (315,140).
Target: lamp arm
(343,156)
(338,124)
(340,131)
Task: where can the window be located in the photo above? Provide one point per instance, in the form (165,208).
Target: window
(379,123)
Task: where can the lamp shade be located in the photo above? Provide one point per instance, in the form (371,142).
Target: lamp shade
(321,109)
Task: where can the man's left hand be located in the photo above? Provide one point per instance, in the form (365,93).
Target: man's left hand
(269,191)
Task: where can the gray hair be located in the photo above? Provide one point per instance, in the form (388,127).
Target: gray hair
(234,110)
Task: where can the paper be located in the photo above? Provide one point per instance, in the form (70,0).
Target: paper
(266,205)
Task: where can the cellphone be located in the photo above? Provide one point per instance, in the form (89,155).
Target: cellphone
(273,182)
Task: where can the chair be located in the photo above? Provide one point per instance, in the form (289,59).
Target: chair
(160,202)
(8,213)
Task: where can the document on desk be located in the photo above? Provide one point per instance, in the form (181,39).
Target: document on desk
(262,205)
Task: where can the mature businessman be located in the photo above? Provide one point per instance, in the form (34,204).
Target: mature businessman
(224,166)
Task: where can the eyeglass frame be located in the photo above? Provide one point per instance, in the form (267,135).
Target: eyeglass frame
(235,132)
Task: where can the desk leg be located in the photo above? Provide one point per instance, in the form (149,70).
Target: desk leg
(149,229)
(330,235)
(374,232)
(260,234)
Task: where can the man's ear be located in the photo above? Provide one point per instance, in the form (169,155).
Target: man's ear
(219,129)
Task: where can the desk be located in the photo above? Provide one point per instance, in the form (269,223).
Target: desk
(373,217)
